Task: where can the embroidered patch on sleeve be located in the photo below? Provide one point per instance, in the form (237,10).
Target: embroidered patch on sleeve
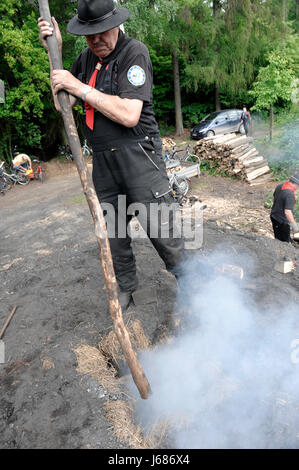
(136,75)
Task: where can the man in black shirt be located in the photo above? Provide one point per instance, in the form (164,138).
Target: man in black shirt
(282,213)
(113,78)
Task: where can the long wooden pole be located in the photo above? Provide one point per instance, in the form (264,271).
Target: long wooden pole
(7,321)
(98,218)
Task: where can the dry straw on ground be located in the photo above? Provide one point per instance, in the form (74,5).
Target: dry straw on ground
(121,416)
(120,413)
(111,348)
(91,361)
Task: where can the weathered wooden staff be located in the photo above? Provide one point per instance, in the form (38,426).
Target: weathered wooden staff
(98,217)
(7,321)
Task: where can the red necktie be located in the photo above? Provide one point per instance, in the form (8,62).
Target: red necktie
(88,108)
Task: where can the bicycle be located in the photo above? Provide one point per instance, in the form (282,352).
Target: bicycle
(170,155)
(179,186)
(17,175)
(191,157)
(66,151)
(86,150)
(5,184)
(187,156)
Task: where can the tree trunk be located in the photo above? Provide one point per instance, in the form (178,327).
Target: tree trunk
(177,95)
(284,11)
(217,98)
(216,7)
(271,122)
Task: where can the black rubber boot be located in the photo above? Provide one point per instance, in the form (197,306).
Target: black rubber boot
(125,299)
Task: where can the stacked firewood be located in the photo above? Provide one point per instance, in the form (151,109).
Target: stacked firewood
(234,154)
(168,143)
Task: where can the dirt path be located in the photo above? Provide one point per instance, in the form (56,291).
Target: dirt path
(232,203)
(50,269)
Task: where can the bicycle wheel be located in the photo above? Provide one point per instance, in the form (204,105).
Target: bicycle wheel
(23,179)
(11,179)
(5,184)
(85,152)
(181,186)
(192,158)
(41,176)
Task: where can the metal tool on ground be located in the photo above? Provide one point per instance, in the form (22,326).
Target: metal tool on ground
(98,218)
(7,321)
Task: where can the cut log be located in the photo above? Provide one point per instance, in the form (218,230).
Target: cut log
(256,173)
(234,155)
(247,154)
(253,162)
(261,180)
(241,140)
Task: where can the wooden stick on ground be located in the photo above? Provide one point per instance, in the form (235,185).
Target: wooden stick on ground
(98,218)
(7,321)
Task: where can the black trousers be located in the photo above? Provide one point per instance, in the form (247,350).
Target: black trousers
(246,127)
(130,179)
(281,231)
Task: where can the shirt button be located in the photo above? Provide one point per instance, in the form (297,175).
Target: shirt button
(157,194)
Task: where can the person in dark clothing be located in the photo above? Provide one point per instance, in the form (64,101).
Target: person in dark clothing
(282,213)
(113,78)
(245,117)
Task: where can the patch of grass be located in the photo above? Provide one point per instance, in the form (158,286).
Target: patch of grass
(212,168)
(78,199)
(269,201)
(279,172)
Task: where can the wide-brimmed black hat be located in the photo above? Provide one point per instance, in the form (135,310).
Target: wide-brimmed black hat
(97,16)
(295,178)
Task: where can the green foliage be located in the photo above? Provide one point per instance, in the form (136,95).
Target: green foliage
(246,42)
(194,112)
(274,81)
(149,19)
(212,168)
(279,171)
(269,201)
(24,71)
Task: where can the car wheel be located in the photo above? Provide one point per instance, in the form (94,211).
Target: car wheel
(242,129)
(210,133)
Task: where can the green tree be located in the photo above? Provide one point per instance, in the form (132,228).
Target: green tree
(28,118)
(274,84)
(23,69)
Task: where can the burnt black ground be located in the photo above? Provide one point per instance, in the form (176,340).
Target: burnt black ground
(50,269)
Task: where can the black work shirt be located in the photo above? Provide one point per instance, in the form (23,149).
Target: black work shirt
(133,79)
(283,199)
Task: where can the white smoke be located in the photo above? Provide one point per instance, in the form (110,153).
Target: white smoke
(283,149)
(228,379)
